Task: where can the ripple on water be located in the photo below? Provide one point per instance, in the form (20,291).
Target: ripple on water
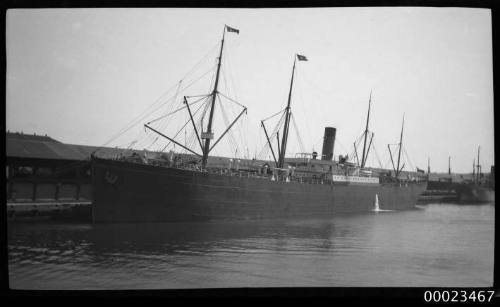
(436,246)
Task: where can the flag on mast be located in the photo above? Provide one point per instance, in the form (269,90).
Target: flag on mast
(301,57)
(229,29)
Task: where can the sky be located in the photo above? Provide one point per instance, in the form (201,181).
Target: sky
(82,75)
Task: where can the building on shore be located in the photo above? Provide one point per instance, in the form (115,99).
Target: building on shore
(41,169)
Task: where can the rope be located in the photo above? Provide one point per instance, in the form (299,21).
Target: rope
(231,139)
(376,155)
(242,128)
(171,106)
(156,139)
(274,115)
(206,55)
(301,145)
(337,141)
(305,109)
(177,110)
(170,142)
(409,160)
(230,71)
(232,100)
(265,150)
(225,81)
(238,127)
(145,113)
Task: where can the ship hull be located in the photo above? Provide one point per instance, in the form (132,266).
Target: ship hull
(132,192)
(441,185)
(470,193)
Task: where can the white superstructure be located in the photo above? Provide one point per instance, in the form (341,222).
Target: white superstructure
(355,179)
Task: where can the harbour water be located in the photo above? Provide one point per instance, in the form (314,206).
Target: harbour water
(435,245)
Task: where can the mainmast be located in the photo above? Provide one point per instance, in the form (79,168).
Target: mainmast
(400,146)
(284,139)
(363,157)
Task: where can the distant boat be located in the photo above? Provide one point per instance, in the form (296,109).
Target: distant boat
(442,183)
(440,188)
(479,189)
(138,189)
(472,193)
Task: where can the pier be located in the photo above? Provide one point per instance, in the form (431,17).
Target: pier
(47,179)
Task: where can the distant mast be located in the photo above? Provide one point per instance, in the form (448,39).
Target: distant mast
(363,157)
(284,139)
(400,147)
(474,169)
(478,173)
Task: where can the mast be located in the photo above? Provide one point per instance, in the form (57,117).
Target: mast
(428,165)
(278,140)
(392,160)
(363,158)
(400,145)
(369,145)
(449,166)
(356,153)
(208,136)
(284,139)
(474,169)
(269,142)
(478,166)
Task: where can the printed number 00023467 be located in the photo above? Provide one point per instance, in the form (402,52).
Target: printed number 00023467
(461,296)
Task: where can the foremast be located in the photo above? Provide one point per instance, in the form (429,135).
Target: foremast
(204,138)
(209,134)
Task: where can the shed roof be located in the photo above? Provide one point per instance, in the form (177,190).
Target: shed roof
(39,147)
(29,146)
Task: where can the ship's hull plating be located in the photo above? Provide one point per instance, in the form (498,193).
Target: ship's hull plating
(470,193)
(130,192)
(441,185)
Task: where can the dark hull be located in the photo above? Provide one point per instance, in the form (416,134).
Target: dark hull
(440,191)
(471,193)
(130,192)
(441,186)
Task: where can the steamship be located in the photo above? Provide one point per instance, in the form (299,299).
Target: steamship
(479,189)
(190,187)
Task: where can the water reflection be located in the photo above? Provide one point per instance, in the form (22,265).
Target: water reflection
(431,245)
(172,238)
